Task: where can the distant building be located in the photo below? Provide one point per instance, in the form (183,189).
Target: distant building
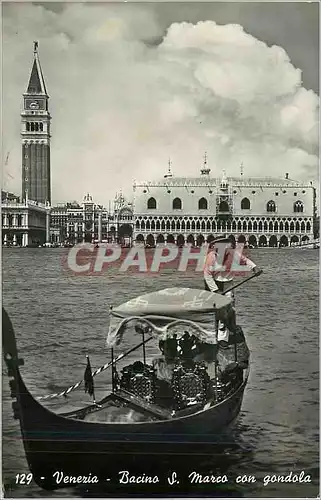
(92,223)
(121,221)
(24,222)
(74,223)
(259,211)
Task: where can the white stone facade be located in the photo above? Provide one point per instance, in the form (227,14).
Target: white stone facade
(24,222)
(256,211)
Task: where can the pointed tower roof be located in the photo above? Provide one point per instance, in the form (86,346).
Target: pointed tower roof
(36,83)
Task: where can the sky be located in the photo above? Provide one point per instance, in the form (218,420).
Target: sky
(134,84)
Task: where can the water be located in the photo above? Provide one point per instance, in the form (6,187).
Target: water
(59,318)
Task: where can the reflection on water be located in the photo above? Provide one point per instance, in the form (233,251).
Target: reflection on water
(59,319)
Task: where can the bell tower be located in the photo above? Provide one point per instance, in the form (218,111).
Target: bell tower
(35,137)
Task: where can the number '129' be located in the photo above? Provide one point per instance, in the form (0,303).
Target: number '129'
(23,478)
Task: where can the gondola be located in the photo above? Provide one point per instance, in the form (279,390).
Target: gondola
(178,403)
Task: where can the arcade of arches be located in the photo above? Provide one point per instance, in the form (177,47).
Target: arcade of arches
(259,231)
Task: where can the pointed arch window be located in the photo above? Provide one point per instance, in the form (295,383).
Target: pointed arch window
(298,206)
(202,204)
(177,204)
(41,127)
(28,127)
(245,204)
(270,206)
(151,204)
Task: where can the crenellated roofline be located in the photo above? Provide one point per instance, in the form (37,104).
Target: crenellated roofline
(215,182)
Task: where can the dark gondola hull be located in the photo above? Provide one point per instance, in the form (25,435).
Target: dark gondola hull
(54,443)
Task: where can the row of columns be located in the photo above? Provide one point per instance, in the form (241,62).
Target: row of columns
(205,236)
(25,225)
(303,228)
(25,239)
(24,220)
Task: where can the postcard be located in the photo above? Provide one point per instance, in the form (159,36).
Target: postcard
(160,249)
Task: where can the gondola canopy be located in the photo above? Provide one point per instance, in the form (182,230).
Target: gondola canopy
(169,311)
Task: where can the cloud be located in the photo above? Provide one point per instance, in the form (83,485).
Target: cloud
(122,103)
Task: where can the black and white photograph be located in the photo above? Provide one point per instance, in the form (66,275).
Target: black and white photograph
(160,249)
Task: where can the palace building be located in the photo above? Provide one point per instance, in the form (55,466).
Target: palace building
(260,211)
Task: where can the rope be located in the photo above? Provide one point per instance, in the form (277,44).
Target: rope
(78,384)
(96,372)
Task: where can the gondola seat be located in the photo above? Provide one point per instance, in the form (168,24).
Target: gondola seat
(140,380)
(190,384)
